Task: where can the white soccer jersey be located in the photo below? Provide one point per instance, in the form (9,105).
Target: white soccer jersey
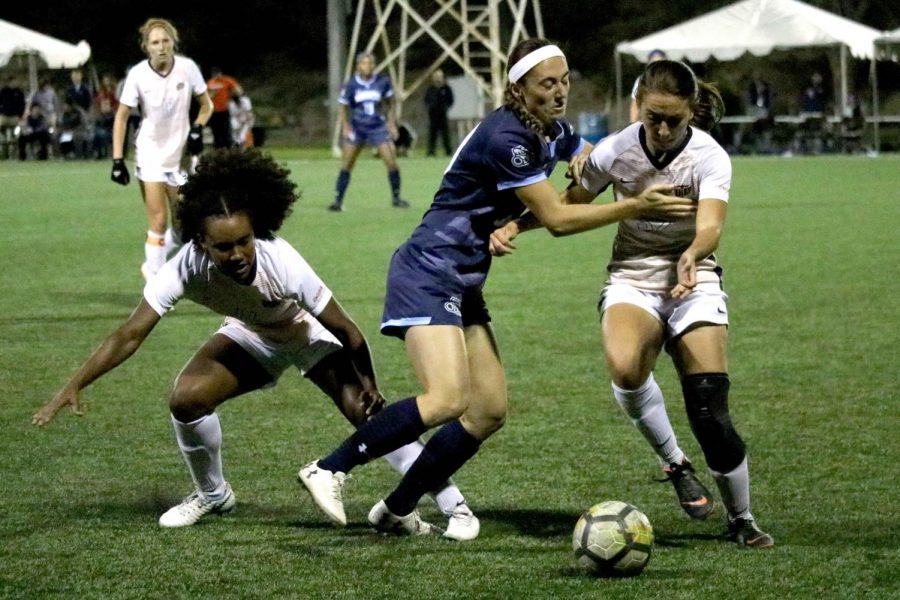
(284,289)
(646,251)
(164,101)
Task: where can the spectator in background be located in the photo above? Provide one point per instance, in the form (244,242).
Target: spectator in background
(221,88)
(73,128)
(34,129)
(438,100)
(12,111)
(240,110)
(815,98)
(45,97)
(78,93)
(653,56)
(105,105)
(759,106)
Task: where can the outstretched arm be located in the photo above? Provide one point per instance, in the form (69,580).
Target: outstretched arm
(500,242)
(339,322)
(114,350)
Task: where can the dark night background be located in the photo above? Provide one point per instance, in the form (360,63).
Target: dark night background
(279,49)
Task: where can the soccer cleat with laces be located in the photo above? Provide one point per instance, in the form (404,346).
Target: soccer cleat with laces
(746,533)
(326,488)
(463,524)
(693,496)
(195,507)
(382,519)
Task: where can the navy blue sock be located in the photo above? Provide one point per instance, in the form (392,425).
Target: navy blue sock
(394,178)
(444,454)
(396,425)
(340,187)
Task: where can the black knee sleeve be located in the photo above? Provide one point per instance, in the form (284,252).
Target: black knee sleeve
(706,401)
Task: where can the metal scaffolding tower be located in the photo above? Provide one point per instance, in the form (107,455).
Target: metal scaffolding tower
(476,35)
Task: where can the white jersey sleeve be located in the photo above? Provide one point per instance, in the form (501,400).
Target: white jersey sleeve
(130,96)
(595,176)
(714,173)
(195,77)
(165,289)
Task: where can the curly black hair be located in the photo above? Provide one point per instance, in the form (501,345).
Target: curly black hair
(233,180)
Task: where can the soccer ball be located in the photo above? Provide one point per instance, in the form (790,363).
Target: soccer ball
(612,538)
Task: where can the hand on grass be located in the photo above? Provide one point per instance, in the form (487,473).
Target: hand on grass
(64,397)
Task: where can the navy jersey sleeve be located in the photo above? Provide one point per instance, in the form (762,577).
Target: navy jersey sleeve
(514,157)
(346,93)
(387,89)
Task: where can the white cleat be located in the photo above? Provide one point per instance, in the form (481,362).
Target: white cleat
(195,507)
(384,520)
(463,524)
(326,489)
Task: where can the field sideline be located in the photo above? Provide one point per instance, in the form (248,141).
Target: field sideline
(811,254)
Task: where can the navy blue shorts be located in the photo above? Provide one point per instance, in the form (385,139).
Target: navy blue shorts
(365,136)
(417,297)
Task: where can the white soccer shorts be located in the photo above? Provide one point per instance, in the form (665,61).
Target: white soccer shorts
(158,175)
(302,344)
(706,304)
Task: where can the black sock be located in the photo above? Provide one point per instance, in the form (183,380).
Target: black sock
(340,187)
(394,179)
(396,425)
(444,454)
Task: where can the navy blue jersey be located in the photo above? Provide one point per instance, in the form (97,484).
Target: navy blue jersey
(364,98)
(477,193)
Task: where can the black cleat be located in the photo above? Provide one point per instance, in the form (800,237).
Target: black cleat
(400,203)
(693,496)
(746,533)
(336,207)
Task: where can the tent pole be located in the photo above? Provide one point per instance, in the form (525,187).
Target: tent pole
(32,74)
(873,76)
(843,79)
(618,61)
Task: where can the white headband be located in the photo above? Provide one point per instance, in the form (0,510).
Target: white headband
(528,62)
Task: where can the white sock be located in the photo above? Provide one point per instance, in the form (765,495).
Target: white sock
(734,487)
(447,498)
(154,251)
(172,243)
(647,410)
(201,443)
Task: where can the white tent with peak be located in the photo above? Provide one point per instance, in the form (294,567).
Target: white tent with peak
(757,27)
(54,53)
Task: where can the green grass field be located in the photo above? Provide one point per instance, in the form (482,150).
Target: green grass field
(811,252)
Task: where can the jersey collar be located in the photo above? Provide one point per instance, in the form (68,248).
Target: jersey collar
(161,74)
(667,157)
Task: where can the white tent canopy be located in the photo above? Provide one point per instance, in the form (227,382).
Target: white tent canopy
(56,54)
(890,37)
(757,27)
